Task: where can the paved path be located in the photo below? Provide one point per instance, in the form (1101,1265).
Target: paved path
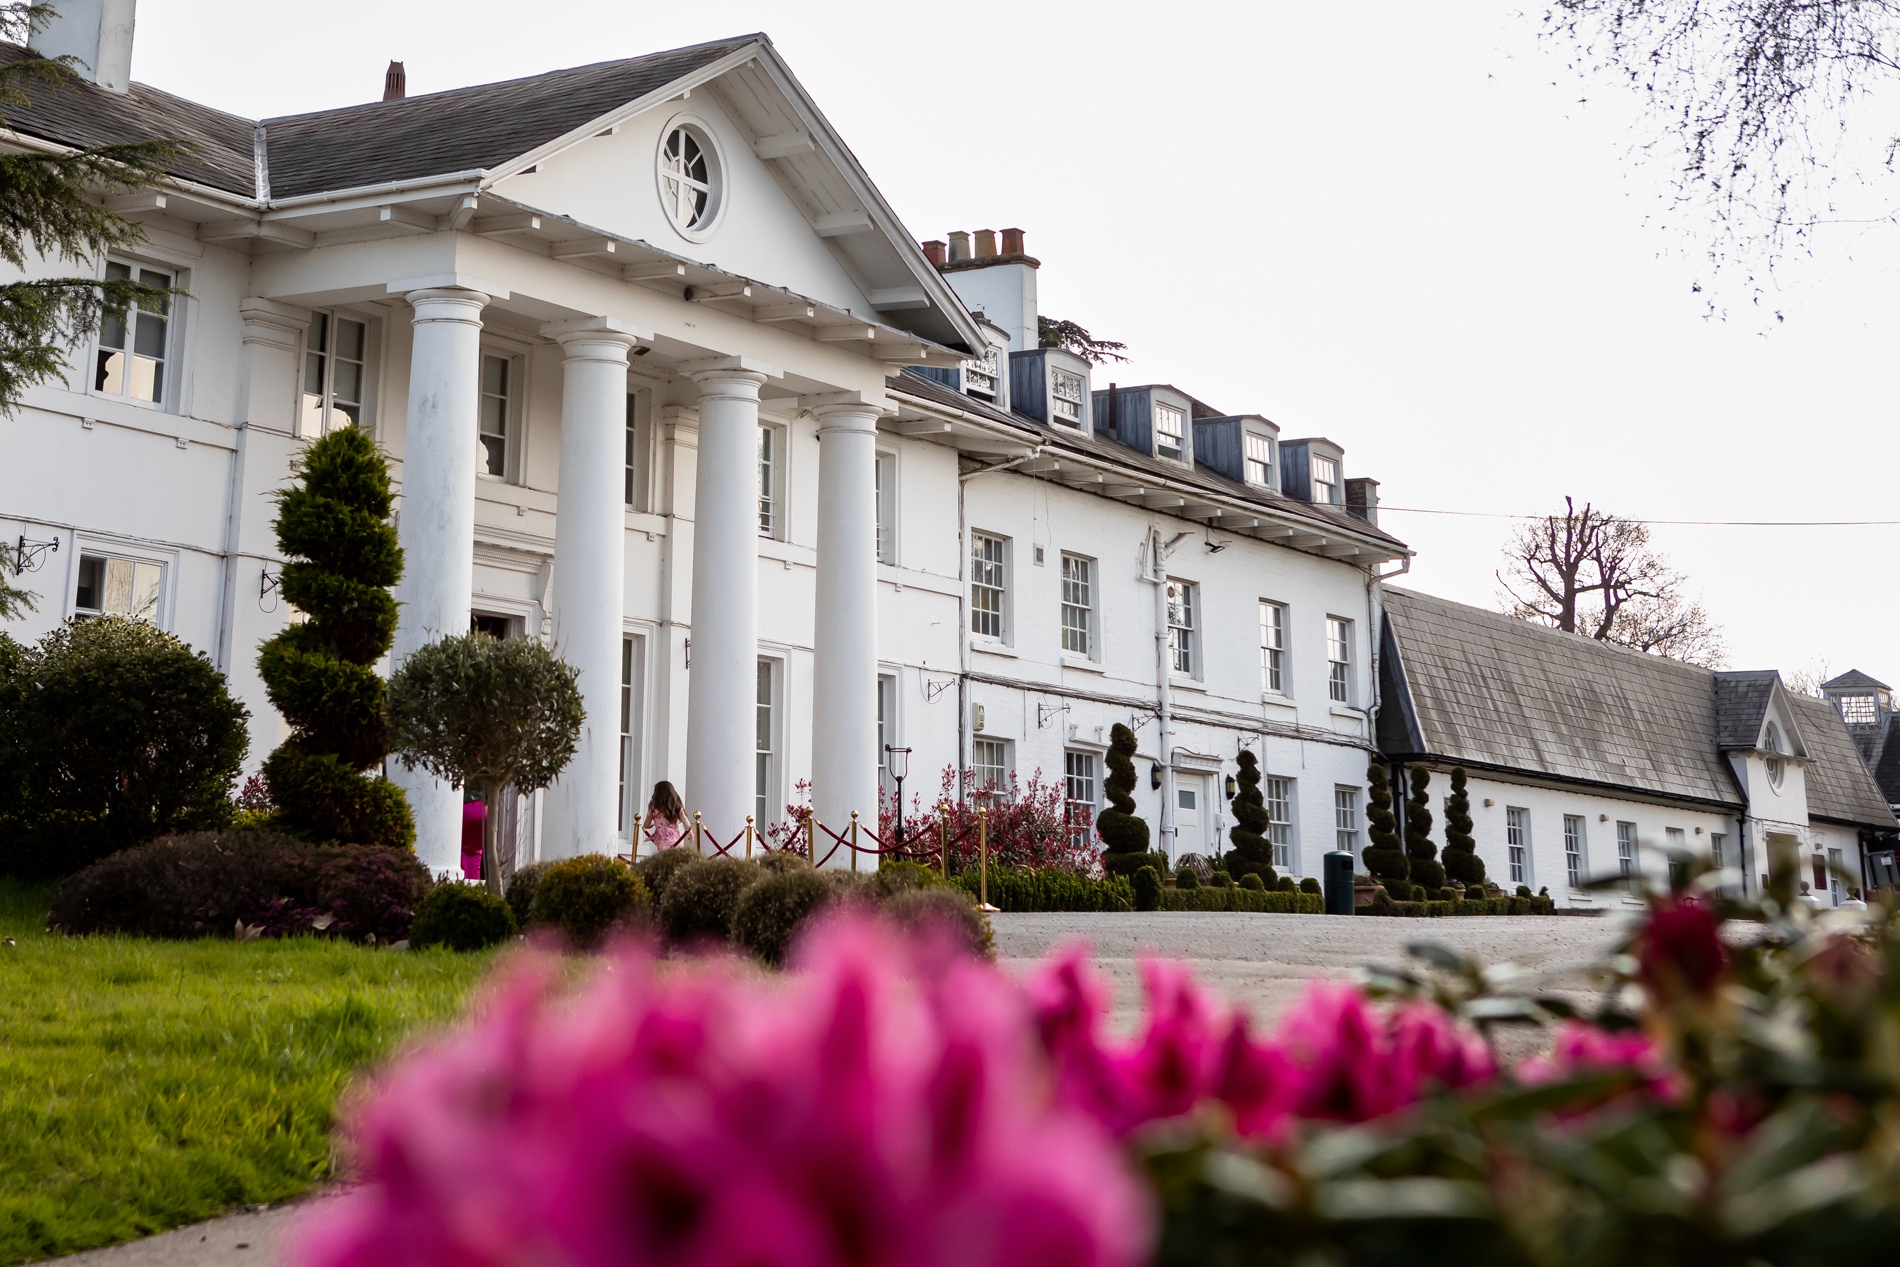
(1259,961)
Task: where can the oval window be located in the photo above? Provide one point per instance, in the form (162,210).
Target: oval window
(1773,761)
(690,178)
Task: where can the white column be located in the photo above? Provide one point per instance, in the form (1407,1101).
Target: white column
(437,524)
(723,679)
(581,811)
(844,668)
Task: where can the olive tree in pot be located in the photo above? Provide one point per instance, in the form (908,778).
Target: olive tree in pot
(486,713)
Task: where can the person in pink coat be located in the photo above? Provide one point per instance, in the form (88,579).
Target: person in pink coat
(666,816)
(474,817)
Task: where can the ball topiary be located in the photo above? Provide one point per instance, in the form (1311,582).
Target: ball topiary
(1187,878)
(1286,884)
(333,527)
(1147,886)
(1254,881)
(1309,885)
(520,894)
(946,909)
(700,900)
(658,871)
(461,917)
(586,898)
(772,911)
(1253,852)
(1124,836)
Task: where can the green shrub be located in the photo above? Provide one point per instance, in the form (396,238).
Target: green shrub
(1271,901)
(1126,864)
(1123,834)
(333,528)
(1253,852)
(1524,890)
(206,884)
(1399,890)
(700,900)
(896,876)
(521,887)
(1221,880)
(1255,881)
(1022,889)
(1421,855)
(658,871)
(771,912)
(1461,860)
(586,898)
(1310,885)
(1186,879)
(119,733)
(1147,889)
(461,917)
(1286,884)
(947,909)
(779,860)
(1384,853)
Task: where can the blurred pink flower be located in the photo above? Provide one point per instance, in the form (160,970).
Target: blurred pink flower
(885,1103)
(1349,1062)
(1580,1049)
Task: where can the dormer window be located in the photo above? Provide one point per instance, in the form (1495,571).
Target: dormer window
(1259,459)
(1325,481)
(1859,710)
(979,377)
(1066,389)
(1170,431)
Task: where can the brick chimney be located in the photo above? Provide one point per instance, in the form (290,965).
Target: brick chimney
(1012,241)
(985,244)
(934,251)
(959,247)
(1362,499)
(395,82)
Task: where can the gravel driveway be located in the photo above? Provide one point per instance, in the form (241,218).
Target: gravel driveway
(1262,961)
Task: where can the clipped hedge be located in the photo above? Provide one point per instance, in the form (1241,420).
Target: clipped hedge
(587,898)
(1470,906)
(1017,889)
(1273,901)
(462,917)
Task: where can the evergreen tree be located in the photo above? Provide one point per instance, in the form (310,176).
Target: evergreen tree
(54,212)
(1385,855)
(1124,836)
(333,526)
(1421,854)
(1462,862)
(1253,852)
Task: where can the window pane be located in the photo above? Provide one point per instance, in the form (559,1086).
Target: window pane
(145,579)
(1170,428)
(495,375)
(987,585)
(1077,604)
(768,511)
(112,332)
(348,386)
(92,583)
(110,377)
(1278,794)
(762,757)
(147,380)
(350,339)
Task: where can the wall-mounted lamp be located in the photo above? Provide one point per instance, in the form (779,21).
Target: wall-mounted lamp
(1232,787)
(29,555)
(1603,818)
(1488,802)
(1154,775)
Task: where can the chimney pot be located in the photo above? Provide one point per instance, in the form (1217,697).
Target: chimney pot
(934,252)
(1362,499)
(395,82)
(1012,241)
(959,247)
(986,244)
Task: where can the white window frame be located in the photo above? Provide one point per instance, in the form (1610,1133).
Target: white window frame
(513,411)
(1179,450)
(1273,622)
(1081,789)
(1627,848)
(1718,849)
(772,451)
(169,369)
(1576,850)
(1068,397)
(1517,842)
(990,574)
(1249,463)
(317,409)
(1320,462)
(1346,818)
(638,486)
(1078,587)
(1676,838)
(1836,862)
(632,702)
(1283,823)
(987,775)
(1859,710)
(888,731)
(133,562)
(1339,660)
(979,376)
(768,742)
(1184,628)
(887,486)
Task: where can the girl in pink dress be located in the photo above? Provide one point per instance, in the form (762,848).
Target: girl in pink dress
(666,816)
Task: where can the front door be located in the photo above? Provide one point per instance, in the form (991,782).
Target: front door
(1189,836)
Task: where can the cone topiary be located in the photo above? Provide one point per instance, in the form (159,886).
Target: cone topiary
(333,527)
(1421,854)
(1462,862)
(1124,836)
(1385,855)
(1253,852)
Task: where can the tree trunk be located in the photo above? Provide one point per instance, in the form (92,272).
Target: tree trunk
(491,837)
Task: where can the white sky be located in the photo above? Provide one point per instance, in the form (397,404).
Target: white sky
(1395,224)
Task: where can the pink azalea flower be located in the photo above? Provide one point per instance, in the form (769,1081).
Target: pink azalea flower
(1581,1049)
(884,1104)
(1352,1063)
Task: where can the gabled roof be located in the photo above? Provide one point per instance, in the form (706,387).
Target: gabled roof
(1853,680)
(1741,700)
(464,129)
(1839,785)
(1485,689)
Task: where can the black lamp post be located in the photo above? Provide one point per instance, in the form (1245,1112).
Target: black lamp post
(898,761)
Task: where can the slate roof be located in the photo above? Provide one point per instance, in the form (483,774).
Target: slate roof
(1200,476)
(1854,679)
(1740,701)
(436,134)
(1487,689)
(1839,786)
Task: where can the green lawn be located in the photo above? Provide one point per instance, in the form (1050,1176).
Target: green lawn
(147,1084)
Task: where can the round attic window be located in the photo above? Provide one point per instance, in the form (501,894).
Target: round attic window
(1774,762)
(691,178)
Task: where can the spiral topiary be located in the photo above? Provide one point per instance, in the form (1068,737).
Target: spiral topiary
(1462,862)
(1253,852)
(1421,854)
(1124,836)
(1384,855)
(333,527)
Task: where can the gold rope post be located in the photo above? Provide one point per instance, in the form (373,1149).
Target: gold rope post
(854,840)
(748,837)
(697,847)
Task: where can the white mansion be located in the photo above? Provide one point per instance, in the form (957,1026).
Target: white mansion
(664,380)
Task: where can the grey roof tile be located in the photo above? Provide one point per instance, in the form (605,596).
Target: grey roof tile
(1741,698)
(1839,785)
(1854,679)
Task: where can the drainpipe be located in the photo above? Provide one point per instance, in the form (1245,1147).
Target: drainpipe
(1164,744)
